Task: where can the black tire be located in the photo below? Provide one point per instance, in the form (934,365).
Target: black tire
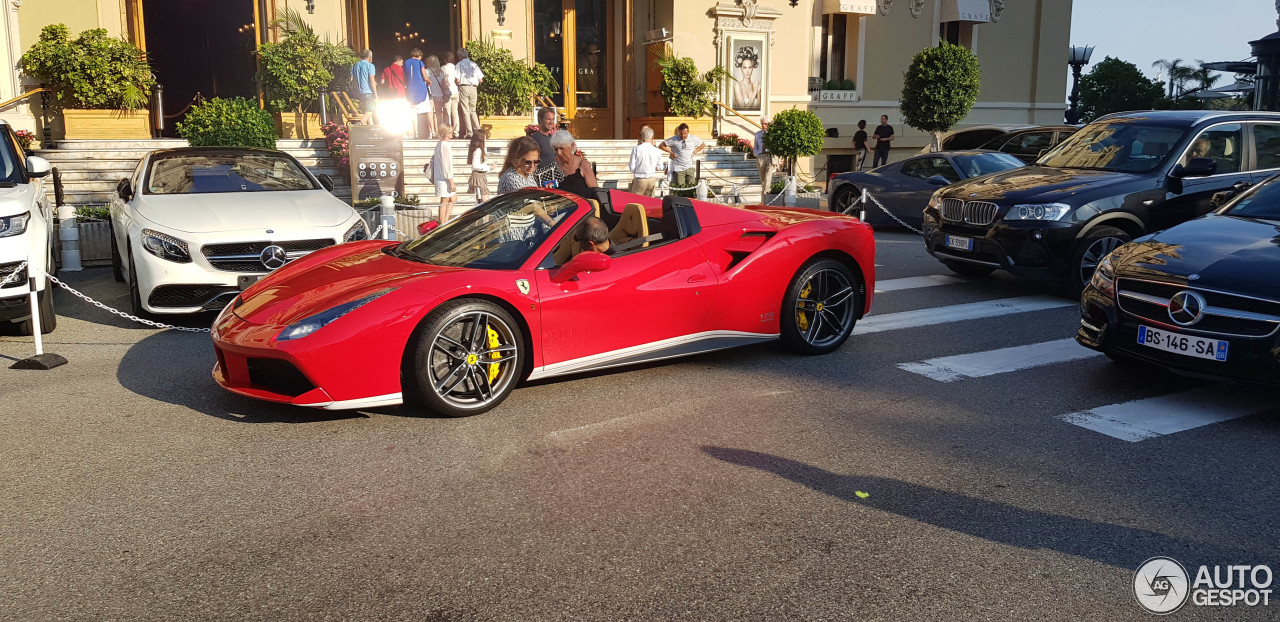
(845,200)
(827,290)
(117,264)
(1087,252)
(135,295)
(449,373)
(48,318)
(967,269)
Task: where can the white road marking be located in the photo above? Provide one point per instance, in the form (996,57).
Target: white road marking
(914,282)
(991,362)
(957,313)
(1168,414)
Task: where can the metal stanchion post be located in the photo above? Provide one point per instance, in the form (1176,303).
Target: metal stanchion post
(40,360)
(789,194)
(862,209)
(387,205)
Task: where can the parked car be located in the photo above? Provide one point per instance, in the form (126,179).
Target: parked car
(904,187)
(1202,297)
(194,226)
(506,291)
(26,235)
(972,137)
(1116,179)
(1029,144)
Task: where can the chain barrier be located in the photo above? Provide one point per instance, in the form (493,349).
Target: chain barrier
(854,204)
(13,275)
(122,314)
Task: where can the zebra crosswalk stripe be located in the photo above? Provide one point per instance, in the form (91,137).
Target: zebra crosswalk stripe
(957,313)
(914,282)
(1004,360)
(1153,417)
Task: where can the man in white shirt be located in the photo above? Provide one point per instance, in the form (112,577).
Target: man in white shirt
(645,160)
(469,77)
(450,71)
(764,159)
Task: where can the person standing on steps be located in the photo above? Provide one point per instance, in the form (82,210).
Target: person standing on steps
(764,159)
(469,79)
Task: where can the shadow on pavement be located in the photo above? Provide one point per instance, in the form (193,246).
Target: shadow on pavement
(1114,545)
(176,368)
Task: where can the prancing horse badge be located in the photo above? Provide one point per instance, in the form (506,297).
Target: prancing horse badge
(523,285)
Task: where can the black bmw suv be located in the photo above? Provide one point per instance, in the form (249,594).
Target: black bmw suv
(1116,179)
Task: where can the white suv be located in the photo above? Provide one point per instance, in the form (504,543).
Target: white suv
(26,234)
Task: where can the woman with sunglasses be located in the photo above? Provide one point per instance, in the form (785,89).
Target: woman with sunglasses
(518,171)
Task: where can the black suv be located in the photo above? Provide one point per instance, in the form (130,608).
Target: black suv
(1117,178)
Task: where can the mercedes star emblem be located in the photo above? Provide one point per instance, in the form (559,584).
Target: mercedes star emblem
(1186,307)
(273,257)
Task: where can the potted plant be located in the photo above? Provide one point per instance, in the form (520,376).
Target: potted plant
(101,83)
(296,70)
(504,100)
(233,122)
(794,134)
(689,96)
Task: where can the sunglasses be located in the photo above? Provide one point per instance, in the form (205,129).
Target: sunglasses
(531,162)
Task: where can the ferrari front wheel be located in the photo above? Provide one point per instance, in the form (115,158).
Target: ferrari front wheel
(820,307)
(469,357)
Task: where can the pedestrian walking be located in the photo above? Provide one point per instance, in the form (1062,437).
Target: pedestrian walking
(393,77)
(450,73)
(645,160)
(764,159)
(860,145)
(883,135)
(683,147)
(415,73)
(520,167)
(478,185)
(363,85)
(434,93)
(442,173)
(469,79)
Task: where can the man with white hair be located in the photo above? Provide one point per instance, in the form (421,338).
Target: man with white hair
(469,78)
(764,159)
(645,160)
(363,85)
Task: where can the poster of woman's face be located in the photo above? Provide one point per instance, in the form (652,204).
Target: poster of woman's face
(747,68)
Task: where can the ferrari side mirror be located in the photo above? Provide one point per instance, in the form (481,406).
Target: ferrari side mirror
(589,261)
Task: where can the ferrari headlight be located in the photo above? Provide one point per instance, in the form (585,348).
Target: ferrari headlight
(1104,276)
(314,323)
(1038,211)
(165,246)
(14,225)
(358,231)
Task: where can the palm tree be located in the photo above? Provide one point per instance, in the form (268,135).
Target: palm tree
(1205,77)
(1171,68)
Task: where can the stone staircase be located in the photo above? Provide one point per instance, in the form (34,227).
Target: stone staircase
(90,169)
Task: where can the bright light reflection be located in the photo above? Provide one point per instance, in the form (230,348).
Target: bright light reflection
(395,116)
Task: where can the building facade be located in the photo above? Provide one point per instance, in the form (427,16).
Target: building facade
(781,53)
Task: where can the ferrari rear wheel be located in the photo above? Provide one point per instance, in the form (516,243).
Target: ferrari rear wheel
(820,307)
(847,201)
(469,357)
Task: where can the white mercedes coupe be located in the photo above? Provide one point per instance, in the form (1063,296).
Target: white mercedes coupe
(194,226)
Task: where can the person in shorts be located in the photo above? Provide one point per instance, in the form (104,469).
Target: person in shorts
(364,85)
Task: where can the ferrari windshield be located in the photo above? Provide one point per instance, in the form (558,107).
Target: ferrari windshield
(498,235)
(1263,202)
(207,173)
(1121,146)
(980,164)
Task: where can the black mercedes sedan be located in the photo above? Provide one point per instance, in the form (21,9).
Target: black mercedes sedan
(1116,179)
(1201,298)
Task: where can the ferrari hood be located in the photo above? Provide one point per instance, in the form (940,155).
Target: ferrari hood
(329,278)
(235,211)
(1225,251)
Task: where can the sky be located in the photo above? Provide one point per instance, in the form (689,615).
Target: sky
(1144,31)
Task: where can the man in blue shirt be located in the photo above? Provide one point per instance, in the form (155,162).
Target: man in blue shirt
(363,86)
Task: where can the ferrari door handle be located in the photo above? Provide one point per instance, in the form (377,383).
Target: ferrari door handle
(697,278)
(1241,185)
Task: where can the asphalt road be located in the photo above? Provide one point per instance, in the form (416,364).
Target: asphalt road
(743,485)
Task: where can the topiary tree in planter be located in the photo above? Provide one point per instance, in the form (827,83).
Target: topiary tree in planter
(688,93)
(794,134)
(301,65)
(509,84)
(91,72)
(234,122)
(940,88)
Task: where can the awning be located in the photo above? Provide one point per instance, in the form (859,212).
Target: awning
(860,7)
(966,11)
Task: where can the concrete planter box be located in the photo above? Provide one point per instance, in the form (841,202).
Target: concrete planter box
(407,220)
(811,200)
(505,128)
(95,242)
(298,125)
(105,124)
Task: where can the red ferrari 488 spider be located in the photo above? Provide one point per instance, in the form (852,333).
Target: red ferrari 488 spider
(454,320)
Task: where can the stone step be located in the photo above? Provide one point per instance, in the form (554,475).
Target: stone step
(91,145)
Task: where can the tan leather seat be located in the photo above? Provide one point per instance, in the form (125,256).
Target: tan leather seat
(595,205)
(632,226)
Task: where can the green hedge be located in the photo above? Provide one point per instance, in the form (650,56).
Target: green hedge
(235,122)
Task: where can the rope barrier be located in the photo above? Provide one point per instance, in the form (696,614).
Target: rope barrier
(194,100)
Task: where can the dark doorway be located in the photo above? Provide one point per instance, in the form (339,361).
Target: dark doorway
(398,26)
(200,46)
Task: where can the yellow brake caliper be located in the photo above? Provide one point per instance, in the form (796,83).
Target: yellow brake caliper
(493,345)
(802,319)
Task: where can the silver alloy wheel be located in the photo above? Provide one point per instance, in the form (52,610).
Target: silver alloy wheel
(824,312)
(1093,255)
(846,201)
(464,353)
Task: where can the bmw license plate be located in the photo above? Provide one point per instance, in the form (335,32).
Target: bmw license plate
(959,243)
(1199,347)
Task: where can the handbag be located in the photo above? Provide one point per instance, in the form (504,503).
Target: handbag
(430,169)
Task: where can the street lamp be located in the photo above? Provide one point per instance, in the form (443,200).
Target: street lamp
(1079,58)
